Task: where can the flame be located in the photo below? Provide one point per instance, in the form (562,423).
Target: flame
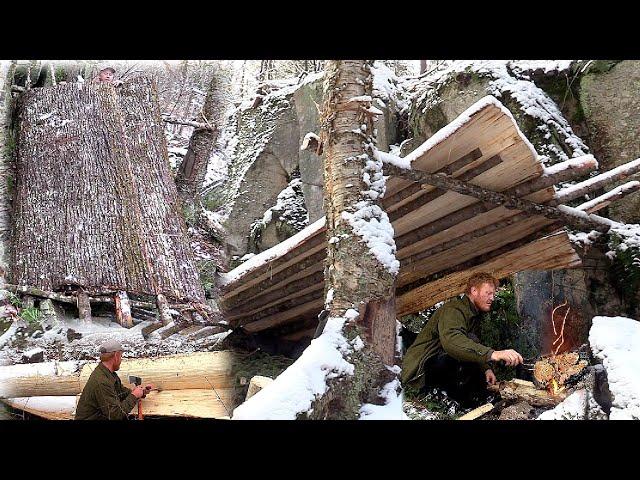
(559,336)
(554,387)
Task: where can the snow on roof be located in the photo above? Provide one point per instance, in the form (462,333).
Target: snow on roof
(448,130)
(270,254)
(532,100)
(616,342)
(295,389)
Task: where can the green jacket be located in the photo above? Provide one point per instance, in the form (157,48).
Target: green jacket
(104,397)
(450,330)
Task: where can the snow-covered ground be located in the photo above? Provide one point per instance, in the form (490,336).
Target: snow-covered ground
(616,342)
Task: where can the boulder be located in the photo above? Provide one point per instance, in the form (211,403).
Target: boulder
(263,144)
(611,104)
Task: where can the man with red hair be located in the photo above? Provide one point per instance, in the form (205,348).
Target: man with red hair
(447,353)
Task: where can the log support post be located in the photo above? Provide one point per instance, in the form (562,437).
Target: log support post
(163,309)
(123,309)
(84,307)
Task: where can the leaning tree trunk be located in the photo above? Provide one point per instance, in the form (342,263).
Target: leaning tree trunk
(356,280)
(95,203)
(194,166)
(6,79)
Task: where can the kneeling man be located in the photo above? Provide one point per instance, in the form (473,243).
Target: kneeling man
(447,353)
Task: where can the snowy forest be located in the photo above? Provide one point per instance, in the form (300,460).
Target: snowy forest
(299,239)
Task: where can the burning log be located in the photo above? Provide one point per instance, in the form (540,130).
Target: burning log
(520,390)
(556,371)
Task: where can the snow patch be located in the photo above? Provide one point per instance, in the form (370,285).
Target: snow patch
(391,410)
(616,342)
(295,389)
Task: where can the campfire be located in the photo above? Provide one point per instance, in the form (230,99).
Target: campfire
(554,371)
(555,374)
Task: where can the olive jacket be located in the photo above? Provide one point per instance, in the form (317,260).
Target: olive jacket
(104,397)
(453,329)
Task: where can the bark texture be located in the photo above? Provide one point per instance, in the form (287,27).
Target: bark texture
(96,205)
(194,166)
(358,280)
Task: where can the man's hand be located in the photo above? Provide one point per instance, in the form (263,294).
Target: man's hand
(510,357)
(141,390)
(490,376)
(138,392)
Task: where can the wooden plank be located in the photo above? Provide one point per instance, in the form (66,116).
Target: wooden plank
(554,251)
(477,412)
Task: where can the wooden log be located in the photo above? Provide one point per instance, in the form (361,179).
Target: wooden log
(606,199)
(561,172)
(477,412)
(512,391)
(123,309)
(595,183)
(200,370)
(497,198)
(190,123)
(84,307)
(195,403)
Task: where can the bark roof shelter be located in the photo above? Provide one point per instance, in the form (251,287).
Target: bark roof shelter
(441,235)
(95,202)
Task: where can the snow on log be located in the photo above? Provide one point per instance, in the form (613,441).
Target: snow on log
(594,183)
(95,200)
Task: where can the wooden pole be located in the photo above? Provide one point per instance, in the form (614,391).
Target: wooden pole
(569,217)
(123,309)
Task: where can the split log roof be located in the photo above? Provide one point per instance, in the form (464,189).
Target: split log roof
(442,236)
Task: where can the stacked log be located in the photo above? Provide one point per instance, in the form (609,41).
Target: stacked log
(441,235)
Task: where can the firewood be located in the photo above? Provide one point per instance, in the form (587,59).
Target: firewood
(514,391)
(477,412)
